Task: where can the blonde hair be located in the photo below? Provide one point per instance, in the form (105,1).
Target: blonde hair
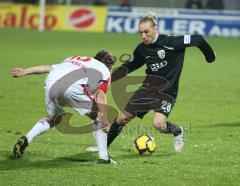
(151,17)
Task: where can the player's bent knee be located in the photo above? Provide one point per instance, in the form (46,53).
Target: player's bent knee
(124,118)
(160,126)
(44,119)
(54,120)
(122,121)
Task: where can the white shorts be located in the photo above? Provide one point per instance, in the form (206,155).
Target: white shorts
(73,97)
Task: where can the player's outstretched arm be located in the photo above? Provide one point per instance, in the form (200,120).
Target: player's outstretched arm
(19,72)
(102,109)
(201,43)
(125,69)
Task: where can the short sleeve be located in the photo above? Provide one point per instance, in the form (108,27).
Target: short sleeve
(104,84)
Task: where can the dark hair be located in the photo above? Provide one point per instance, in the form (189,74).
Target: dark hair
(106,58)
(151,17)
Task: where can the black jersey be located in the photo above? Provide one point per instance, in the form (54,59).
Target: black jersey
(164,60)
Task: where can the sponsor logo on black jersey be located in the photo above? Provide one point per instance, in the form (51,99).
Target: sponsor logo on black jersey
(156,66)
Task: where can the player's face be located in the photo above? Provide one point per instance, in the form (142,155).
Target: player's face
(148,32)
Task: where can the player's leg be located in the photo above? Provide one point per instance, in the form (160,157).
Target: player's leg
(101,140)
(84,105)
(99,135)
(136,106)
(161,124)
(43,125)
(118,125)
(162,110)
(114,130)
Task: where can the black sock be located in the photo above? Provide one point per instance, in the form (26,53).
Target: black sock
(114,131)
(172,129)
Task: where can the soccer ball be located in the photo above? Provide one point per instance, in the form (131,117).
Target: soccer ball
(144,145)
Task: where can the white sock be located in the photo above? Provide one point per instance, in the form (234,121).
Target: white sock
(94,135)
(41,126)
(101,139)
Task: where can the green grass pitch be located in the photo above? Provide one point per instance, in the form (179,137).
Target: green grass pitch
(208,107)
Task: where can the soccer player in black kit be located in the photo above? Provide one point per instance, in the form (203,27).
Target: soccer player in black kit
(163,56)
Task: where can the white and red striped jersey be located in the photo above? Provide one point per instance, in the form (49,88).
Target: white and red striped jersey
(80,71)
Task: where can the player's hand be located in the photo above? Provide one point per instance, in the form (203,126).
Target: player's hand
(105,125)
(18,72)
(211,58)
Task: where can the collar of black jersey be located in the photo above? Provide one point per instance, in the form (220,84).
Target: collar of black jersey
(157,41)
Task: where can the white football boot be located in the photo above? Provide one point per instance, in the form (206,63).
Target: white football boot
(179,141)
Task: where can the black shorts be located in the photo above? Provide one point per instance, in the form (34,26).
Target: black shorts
(144,100)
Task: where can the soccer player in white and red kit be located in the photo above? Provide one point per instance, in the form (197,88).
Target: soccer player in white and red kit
(78,82)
